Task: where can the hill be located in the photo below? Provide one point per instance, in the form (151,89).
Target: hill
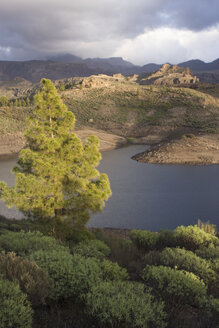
(118,105)
(170,75)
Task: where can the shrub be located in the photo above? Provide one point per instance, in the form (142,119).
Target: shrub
(166,238)
(192,238)
(123,251)
(124,304)
(33,281)
(71,275)
(15,310)
(177,288)
(209,253)
(112,271)
(92,248)
(186,260)
(23,243)
(143,239)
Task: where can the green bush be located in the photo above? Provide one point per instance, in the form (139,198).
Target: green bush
(74,275)
(209,253)
(15,310)
(23,243)
(177,288)
(192,238)
(71,275)
(186,260)
(33,281)
(166,238)
(92,248)
(112,271)
(123,305)
(122,250)
(143,239)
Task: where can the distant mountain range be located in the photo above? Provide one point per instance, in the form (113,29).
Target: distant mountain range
(67,65)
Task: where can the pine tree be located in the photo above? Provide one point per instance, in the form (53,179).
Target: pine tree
(56,175)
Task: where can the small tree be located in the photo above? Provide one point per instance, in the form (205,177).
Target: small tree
(56,176)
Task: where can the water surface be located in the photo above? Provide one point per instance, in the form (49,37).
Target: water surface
(149,196)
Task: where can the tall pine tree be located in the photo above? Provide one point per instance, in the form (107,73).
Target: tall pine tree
(56,175)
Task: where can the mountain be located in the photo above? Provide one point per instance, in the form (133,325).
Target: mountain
(34,70)
(197,65)
(64,66)
(151,67)
(65,58)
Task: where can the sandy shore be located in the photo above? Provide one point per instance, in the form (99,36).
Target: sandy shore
(189,150)
(11,144)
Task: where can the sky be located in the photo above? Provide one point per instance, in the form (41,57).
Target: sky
(140,31)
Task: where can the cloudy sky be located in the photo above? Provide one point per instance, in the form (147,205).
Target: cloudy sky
(140,31)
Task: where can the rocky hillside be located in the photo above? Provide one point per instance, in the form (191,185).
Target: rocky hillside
(189,149)
(170,75)
(120,105)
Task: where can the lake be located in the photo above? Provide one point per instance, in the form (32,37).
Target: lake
(149,196)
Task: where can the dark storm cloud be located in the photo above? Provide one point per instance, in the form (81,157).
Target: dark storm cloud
(34,28)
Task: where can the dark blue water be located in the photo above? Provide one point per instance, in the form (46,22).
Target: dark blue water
(154,197)
(149,196)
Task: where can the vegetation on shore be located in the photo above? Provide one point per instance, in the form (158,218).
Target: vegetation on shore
(147,279)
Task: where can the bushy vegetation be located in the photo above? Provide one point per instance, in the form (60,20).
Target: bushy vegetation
(92,248)
(23,243)
(190,238)
(125,304)
(144,240)
(15,310)
(33,280)
(150,280)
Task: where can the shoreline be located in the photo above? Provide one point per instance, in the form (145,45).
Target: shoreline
(12,144)
(188,150)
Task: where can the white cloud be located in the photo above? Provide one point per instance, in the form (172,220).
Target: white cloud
(170,45)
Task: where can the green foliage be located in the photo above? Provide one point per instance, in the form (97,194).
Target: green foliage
(143,239)
(72,276)
(25,243)
(112,271)
(186,260)
(32,280)
(209,253)
(15,310)
(177,288)
(124,304)
(92,248)
(192,238)
(3,101)
(166,239)
(56,176)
